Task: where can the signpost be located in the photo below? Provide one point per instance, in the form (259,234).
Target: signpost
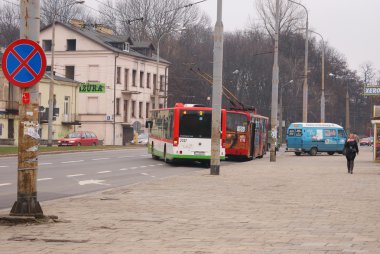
(24,65)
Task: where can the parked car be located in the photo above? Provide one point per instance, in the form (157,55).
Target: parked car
(79,138)
(142,139)
(365,142)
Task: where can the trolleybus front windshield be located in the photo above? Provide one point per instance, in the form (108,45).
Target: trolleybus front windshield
(195,124)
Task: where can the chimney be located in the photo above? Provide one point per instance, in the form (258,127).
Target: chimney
(77,23)
(103,29)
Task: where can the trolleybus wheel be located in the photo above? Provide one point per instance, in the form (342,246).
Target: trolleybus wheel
(298,153)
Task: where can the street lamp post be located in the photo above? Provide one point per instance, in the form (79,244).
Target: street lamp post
(305,85)
(51,85)
(275,74)
(281,110)
(157,88)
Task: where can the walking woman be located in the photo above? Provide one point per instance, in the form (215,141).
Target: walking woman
(352,149)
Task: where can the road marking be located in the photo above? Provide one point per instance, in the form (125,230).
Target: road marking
(71,161)
(98,159)
(5,184)
(121,157)
(151,165)
(159,164)
(123,169)
(44,179)
(143,166)
(104,172)
(4,166)
(98,182)
(42,164)
(75,175)
(145,174)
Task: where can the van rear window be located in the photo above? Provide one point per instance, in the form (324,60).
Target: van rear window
(295,132)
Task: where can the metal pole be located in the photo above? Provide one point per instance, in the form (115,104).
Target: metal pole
(156,89)
(27,204)
(280,117)
(305,85)
(323,101)
(347,110)
(114,100)
(275,87)
(51,88)
(217,93)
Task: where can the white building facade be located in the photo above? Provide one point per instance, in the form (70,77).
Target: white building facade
(118,79)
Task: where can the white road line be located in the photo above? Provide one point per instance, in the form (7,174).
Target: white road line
(123,169)
(71,161)
(5,184)
(75,175)
(143,166)
(104,172)
(145,174)
(44,179)
(4,166)
(42,164)
(151,165)
(121,157)
(98,159)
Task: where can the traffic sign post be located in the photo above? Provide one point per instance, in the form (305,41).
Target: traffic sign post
(24,65)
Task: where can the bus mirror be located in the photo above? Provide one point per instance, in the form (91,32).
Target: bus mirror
(148,124)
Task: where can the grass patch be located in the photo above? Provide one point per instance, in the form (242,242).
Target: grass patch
(9,150)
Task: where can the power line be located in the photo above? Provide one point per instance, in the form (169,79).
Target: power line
(11,2)
(186,6)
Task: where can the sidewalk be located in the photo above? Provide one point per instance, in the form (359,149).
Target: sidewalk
(296,205)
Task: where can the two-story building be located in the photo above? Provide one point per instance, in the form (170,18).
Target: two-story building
(118,78)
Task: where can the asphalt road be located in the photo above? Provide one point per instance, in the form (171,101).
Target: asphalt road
(70,174)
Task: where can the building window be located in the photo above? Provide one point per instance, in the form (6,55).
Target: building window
(117,106)
(46,45)
(92,105)
(71,45)
(161,105)
(125,110)
(70,71)
(140,110)
(162,83)
(118,75)
(133,109)
(66,107)
(141,79)
(126,78)
(147,110)
(154,83)
(93,73)
(48,68)
(148,80)
(134,77)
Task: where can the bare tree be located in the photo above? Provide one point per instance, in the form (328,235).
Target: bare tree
(290,15)
(149,19)
(368,73)
(61,10)
(9,24)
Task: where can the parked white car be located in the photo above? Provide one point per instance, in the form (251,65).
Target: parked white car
(142,139)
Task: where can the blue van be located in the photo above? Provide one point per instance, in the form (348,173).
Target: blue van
(315,137)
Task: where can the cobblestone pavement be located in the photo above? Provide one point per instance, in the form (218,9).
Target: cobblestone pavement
(297,205)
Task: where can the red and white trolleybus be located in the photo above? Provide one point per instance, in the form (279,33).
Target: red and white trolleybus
(183,133)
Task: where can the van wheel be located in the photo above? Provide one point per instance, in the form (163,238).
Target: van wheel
(298,153)
(313,151)
(330,153)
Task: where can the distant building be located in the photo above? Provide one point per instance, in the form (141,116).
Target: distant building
(118,78)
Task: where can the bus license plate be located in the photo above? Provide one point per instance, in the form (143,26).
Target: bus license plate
(199,153)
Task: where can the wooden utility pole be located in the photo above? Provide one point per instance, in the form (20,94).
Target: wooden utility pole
(28,138)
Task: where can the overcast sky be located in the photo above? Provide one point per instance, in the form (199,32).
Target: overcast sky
(350,26)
